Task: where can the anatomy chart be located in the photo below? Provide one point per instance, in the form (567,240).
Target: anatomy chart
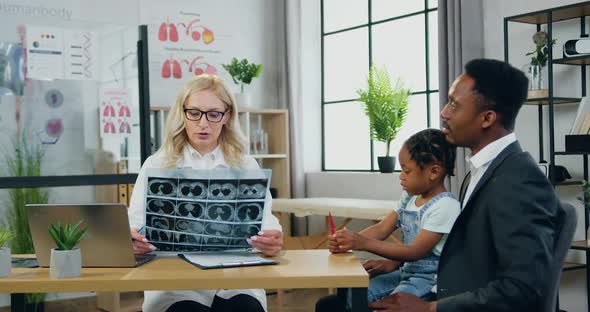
(114,113)
(183,44)
(204,210)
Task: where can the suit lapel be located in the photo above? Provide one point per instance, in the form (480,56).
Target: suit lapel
(509,150)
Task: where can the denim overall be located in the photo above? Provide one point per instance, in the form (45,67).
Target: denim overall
(414,277)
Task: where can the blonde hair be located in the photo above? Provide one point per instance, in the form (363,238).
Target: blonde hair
(231,139)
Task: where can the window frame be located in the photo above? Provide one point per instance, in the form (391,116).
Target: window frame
(369,25)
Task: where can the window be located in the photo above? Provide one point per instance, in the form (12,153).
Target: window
(400,35)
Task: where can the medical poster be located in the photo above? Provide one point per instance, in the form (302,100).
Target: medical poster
(57,53)
(114,112)
(45,57)
(191,210)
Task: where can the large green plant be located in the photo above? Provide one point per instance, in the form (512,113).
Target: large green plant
(242,72)
(385,104)
(24,160)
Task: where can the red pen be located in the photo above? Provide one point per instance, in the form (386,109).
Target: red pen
(331,223)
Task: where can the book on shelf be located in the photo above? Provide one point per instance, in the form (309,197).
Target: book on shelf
(581,123)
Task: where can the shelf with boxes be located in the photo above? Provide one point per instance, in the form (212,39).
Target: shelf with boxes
(546,100)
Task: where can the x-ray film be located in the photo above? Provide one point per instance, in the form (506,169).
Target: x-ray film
(191,210)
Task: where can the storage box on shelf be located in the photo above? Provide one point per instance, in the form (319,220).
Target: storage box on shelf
(546,18)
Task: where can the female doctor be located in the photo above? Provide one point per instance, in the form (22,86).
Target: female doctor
(202,132)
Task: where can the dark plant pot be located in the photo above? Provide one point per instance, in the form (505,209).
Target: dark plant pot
(18,303)
(386,164)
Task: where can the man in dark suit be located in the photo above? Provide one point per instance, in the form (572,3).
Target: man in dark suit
(501,246)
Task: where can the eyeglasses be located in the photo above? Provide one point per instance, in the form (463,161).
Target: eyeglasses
(196,115)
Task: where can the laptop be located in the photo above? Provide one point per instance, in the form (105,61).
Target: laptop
(108,239)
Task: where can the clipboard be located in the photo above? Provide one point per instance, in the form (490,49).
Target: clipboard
(221,260)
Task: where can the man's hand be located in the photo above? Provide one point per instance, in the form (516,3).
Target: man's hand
(140,243)
(376,267)
(403,302)
(269,242)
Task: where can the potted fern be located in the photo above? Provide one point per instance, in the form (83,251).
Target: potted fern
(5,257)
(386,105)
(66,260)
(242,72)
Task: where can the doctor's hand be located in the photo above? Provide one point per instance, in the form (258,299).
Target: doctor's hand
(402,302)
(140,243)
(269,242)
(376,267)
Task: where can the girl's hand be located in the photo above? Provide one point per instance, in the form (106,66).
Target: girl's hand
(140,243)
(269,242)
(349,240)
(333,245)
(376,267)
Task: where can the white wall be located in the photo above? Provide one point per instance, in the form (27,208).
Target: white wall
(567,83)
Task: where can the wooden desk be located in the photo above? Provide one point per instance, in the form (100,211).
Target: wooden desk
(296,269)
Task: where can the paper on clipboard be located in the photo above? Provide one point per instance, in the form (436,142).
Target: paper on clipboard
(225,259)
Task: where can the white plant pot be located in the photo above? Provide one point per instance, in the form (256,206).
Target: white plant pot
(5,262)
(65,263)
(242,99)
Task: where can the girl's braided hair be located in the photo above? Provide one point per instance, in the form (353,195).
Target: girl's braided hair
(429,146)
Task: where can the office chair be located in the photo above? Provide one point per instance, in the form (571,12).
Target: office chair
(562,245)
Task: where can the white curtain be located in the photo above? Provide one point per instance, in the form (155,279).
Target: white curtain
(460,33)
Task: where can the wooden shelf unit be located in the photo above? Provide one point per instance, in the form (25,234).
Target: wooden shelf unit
(275,122)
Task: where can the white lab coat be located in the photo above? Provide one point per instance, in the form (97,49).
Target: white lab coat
(159,301)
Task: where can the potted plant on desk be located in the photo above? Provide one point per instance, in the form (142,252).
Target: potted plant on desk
(5,257)
(242,74)
(386,105)
(66,260)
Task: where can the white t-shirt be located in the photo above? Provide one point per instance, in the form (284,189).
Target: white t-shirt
(156,301)
(439,218)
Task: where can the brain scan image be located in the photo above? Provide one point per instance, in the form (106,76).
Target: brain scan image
(194,189)
(163,247)
(159,222)
(161,206)
(190,226)
(181,238)
(249,212)
(222,190)
(154,235)
(252,189)
(208,240)
(161,187)
(218,229)
(246,230)
(220,211)
(190,209)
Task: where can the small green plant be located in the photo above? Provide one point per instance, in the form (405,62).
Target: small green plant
(585,198)
(386,105)
(6,235)
(66,236)
(242,72)
(541,52)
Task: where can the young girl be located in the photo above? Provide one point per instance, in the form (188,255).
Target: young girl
(425,214)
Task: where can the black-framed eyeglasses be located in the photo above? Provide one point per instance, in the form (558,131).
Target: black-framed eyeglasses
(196,115)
